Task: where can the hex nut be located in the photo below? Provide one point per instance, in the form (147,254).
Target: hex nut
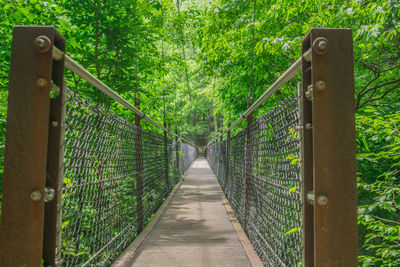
(49,194)
(42,44)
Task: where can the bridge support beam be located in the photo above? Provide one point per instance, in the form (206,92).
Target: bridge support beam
(166,161)
(329,150)
(139,171)
(33,150)
(248,170)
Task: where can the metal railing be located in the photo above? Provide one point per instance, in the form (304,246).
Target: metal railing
(290,175)
(80,182)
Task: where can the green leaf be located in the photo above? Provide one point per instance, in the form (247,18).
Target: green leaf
(293,230)
(293,189)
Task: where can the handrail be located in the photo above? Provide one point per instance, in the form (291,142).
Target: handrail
(73,66)
(282,80)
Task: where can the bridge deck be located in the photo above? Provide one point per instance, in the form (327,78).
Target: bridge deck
(194,229)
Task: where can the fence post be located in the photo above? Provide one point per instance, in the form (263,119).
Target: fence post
(55,161)
(247,163)
(167,182)
(177,154)
(305,107)
(330,83)
(139,171)
(24,178)
(228,142)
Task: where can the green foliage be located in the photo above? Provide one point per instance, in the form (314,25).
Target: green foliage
(378,156)
(195,63)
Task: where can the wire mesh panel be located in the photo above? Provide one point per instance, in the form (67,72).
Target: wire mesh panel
(154,176)
(274,210)
(99,217)
(99,197)
(188,155)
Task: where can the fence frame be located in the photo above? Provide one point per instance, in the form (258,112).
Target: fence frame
(33,135)
(328,147)
(34,148)
(330,167)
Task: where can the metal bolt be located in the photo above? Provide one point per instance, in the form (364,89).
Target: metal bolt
(320,45)
(54,123)
(42,44)
(320,85)
(42,83)
(322,200)
(309,92)
(310,197)
(49,194)
(308,126)
(36,195)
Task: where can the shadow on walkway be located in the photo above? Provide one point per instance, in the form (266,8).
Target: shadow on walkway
(194,229)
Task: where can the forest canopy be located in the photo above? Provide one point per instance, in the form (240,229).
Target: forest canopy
(196,64)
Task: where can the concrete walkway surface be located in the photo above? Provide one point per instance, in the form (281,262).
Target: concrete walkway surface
(194,229)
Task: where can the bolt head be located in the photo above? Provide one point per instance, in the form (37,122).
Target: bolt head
(320,85)
(308,126)
(320,45)
(42,83)
(36,195)
(54,123)
(322,200)
(42,44)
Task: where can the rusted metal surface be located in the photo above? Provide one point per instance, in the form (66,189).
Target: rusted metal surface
(248,169)
(305,108)
(227,157)
(55,160)
(139,172)
(22,219)
(166,158)
(334,149)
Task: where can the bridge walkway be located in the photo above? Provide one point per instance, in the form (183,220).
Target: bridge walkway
(194,229)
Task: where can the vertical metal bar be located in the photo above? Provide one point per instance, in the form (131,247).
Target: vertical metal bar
(21,230)
(177,153)
(248,168)
(167,182)
(228,144)
(334,148)
(139,171)
(55,160)
(305,108)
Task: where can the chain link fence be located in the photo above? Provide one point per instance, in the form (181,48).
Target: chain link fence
(259,172)
(99,191)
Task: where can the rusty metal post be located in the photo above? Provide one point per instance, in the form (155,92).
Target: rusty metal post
(305,107)
(167,182)
(248,169)
(228,144)
(139,171)
(55,161)
(24,180)
(177,154)
(331,85)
